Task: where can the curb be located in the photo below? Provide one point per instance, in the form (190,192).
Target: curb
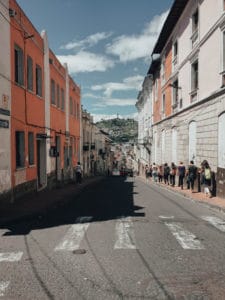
(201,201)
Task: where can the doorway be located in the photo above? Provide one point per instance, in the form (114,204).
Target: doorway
(41,164)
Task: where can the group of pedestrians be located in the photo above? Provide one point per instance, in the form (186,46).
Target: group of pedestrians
(168,174)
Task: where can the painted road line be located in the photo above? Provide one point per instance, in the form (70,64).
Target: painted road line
(216,222)
(74,235)
(3,287)
(185,238)
(125,238)
(11,256)
(166,217)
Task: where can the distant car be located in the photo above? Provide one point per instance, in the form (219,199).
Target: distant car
(115,172)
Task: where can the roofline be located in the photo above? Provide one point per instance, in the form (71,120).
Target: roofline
(171,20)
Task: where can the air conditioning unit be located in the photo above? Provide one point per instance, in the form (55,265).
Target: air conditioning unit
(12,12)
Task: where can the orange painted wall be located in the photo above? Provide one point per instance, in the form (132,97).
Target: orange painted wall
(27,108)
(163,88)
(168,72)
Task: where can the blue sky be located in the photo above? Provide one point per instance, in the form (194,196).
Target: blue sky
(106,44)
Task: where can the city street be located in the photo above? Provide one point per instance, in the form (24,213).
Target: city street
(120,239)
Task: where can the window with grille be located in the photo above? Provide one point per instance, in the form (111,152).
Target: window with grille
(38,80)
(31,148)
(29,73)
(20,149)
(52,91)
(19,65)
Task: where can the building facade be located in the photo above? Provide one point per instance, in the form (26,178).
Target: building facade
(144,107)
(5,99)
(188,87)
(96,158)
(40,110)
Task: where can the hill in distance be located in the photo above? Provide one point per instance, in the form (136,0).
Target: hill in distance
(120,130)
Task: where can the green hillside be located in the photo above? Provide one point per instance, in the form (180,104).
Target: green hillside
(120,130)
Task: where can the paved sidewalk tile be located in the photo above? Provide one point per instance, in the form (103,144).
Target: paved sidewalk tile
(216,202)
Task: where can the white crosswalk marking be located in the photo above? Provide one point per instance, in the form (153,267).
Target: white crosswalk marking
(74,235)
(125,238)
(11,256)
(3,287)
(216,222)
(185,238)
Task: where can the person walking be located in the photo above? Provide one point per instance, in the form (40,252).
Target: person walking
(192,174)
(166,173)
(181,173)
(173,171)
(78,172)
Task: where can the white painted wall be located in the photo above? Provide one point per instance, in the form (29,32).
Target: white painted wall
(5,93)
(50,163)
(208,51)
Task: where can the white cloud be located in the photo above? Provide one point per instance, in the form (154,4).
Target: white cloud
(99,117)
(129,83)
(89,41)
(115,102)
(129,48)
(86,62)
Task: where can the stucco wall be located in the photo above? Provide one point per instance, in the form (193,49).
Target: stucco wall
(5,100)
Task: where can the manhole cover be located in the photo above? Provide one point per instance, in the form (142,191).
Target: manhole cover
(79,251)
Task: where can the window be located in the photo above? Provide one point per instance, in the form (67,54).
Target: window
(19,65)
(52,91)
(62,100)
(71,106)
(175,52)
(29,73)
(58,96)
(31,148)
(195,22)
(175,93)
(20,149)
(38,81)
(175,49)
(194,76)
(163,104)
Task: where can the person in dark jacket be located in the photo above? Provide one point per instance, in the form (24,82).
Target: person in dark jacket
(181,174)
(166,173)
(192,174)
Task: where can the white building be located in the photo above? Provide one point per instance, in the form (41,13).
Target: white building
(144,107)
(193,41)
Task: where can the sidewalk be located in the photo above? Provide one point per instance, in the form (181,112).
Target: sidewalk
(214,202)
(41,202)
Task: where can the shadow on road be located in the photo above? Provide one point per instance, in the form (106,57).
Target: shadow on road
(109,199)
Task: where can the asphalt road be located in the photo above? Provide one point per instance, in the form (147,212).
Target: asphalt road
(121,239)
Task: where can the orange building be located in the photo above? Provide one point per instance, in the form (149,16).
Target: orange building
(45,110)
